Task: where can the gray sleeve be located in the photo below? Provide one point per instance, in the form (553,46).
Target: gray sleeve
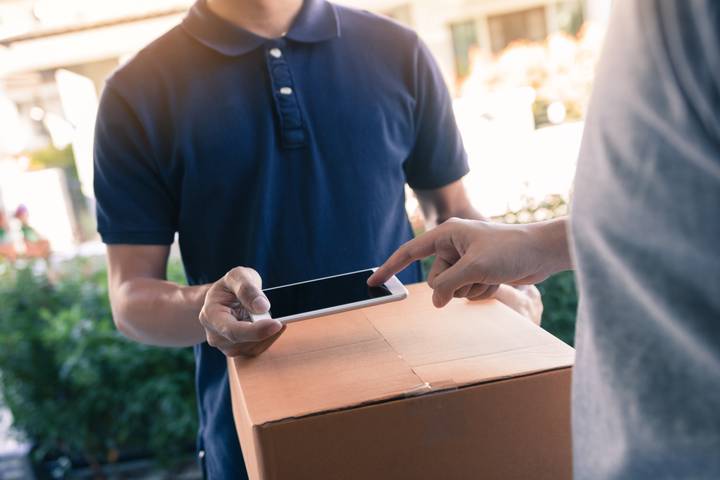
(646,239)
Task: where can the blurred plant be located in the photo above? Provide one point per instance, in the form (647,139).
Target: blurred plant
(560,301)
(75,386)
(532,210)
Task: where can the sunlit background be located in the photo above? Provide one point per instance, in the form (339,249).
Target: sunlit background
(520,72)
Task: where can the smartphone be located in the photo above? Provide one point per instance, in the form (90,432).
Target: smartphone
(328,295)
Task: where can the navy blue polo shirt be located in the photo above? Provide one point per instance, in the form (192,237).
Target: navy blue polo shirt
(286,155)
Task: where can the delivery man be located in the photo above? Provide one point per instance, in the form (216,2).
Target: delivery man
(275,137)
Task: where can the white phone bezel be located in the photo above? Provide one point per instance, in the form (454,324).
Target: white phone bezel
(397,292)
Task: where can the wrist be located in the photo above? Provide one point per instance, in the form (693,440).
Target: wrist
(549,240)
(195,295)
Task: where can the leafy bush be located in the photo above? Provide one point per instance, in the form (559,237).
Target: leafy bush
(75,386)
(560,303)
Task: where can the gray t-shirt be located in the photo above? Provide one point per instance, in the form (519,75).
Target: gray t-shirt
(646,239)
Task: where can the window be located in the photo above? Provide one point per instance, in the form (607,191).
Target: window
(525,24)
(465,41)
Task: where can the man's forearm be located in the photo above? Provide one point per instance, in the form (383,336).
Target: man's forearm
(158,312)
(442,204)
(550,241)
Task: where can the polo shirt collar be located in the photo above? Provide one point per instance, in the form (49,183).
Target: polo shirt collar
(317,21)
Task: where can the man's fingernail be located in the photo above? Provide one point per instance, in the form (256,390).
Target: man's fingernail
(260,304)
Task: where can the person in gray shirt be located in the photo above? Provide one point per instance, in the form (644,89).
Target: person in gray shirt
(645,240)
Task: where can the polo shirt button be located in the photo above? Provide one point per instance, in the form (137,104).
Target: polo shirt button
(286,91)
(275,53)
(201,454)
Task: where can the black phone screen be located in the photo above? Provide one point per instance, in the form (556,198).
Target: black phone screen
(322,293)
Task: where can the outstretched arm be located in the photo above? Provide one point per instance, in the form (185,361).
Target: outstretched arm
(474,257)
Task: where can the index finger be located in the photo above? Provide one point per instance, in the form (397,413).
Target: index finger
(415,249)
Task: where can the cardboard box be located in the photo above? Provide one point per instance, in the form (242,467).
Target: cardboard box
(407,391)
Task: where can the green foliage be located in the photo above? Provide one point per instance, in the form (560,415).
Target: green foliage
(560,303)
(75,386)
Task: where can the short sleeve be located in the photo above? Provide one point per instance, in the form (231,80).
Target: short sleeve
(134,205)
(438,157)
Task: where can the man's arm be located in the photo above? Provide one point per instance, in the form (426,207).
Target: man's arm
(149,309)
(146,307)
(444,203)
(472,257)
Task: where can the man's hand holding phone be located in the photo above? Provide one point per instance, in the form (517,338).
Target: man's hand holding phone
(225,315)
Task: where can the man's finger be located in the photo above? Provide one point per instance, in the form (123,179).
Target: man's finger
(246,284)
(462,292)
(438,266)
(451,280)
(224,323)
(482,292)
(416,249)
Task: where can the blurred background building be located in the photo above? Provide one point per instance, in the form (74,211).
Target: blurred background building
(512,65)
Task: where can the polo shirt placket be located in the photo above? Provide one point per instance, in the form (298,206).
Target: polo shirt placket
(287,107)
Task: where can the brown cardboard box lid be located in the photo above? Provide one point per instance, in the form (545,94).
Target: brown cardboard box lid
(391,351)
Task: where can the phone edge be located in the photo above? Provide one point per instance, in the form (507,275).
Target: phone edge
(396,297)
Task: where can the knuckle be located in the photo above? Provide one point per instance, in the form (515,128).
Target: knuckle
(238,274)
(478,267)
(247,288)
(405,252)
(248,291)
(248,274)
(231,274)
